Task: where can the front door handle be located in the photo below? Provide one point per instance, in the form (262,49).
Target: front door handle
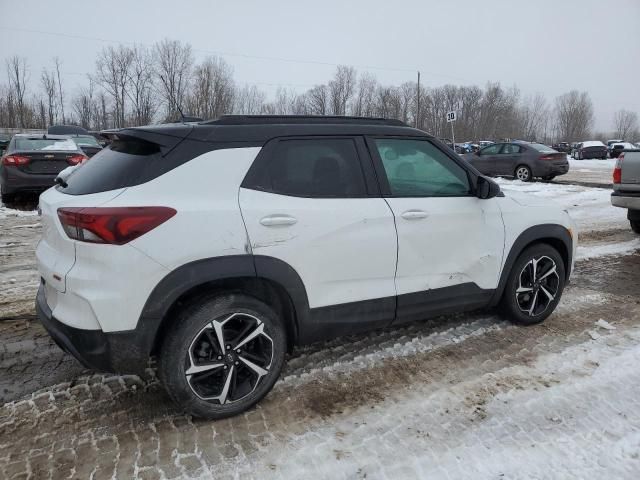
(277,220)
(414,215)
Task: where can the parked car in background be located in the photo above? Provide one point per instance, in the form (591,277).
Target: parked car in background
(611,142)
(408,230)
(102,140)
(590,149)
(31,163)
(574,148)
(82,137)
(485,143)
(617,148)
(4,142)
(524,161)
(626,186)
(563,147)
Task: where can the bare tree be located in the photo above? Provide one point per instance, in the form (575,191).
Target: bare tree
(17,73)
(141,87)
(249,100)
(113,74)
(213,89)
(57,63)
(626,124)
(533,116)
(49,86)
(84,106)
(341,89)
(574,116)
(364,102)
(319,100)
(173,63)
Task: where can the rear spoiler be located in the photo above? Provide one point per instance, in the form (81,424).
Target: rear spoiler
(166,138)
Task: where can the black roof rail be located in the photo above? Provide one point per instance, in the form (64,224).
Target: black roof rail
(302,120)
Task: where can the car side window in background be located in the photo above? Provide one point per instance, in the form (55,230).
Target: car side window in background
(316,168)
(491,150)
(417,168)
(510,149)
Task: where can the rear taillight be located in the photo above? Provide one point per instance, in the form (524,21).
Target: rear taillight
(617,171)
(15,160)
(111,225)
(76,159)
(547,157)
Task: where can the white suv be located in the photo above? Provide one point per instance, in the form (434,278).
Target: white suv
(219,246)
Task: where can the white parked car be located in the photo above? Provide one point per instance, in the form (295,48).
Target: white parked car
(219,246)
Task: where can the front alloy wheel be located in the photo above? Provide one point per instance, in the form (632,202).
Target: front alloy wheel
(538,286)
(534,285)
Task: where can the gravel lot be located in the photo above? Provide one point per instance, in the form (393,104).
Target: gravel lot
(466,396)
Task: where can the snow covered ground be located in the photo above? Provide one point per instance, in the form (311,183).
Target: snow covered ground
(591,171)
(463,397)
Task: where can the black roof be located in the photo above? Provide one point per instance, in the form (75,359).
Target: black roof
(257,129)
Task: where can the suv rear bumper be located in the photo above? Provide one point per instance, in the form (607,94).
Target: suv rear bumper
(108,352)
(630,200)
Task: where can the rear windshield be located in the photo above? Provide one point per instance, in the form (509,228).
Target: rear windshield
(86,140)
(45,144)
(118,166)
(541,148)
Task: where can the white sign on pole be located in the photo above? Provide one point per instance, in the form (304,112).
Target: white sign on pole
(451,117)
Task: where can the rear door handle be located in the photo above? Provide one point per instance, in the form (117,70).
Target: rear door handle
(414,215)
(277,220)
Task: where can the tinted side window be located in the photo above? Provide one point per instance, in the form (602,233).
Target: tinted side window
(491,150)
(315,168)
(417,168)
(510,149)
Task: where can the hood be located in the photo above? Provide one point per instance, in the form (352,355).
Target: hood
(527,200)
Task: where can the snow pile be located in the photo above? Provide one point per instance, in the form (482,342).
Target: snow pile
(621,248)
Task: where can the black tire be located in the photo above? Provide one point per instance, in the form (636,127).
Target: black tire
(517,308)
(193,331)
(635,225)
(519,173)
(7,197)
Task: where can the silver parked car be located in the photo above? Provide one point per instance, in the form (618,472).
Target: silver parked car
(524,161)
(626,186)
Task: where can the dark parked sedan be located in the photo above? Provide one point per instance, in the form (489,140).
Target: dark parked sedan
(524,161)
(590,149)
(32,162)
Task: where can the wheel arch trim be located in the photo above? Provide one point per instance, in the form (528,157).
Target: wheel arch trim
(544,233)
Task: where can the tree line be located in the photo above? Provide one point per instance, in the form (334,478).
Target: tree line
(138,85)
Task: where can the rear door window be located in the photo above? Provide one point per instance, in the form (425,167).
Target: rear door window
(314,167)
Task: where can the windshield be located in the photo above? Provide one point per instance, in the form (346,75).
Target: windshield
(87,140)
(542,148)
(45,144)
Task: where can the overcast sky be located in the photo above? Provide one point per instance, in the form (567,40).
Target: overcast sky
(548,46)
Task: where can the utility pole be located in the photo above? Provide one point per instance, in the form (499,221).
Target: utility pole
(418,101)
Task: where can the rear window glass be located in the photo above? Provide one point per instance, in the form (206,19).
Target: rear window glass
(45,144)
(541,148)
(120,165)
(86,140)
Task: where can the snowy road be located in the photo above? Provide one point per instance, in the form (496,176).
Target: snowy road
(468,396)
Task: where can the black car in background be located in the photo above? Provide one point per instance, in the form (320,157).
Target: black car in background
(524,161)
(32,162)
(590,149)
(563,147)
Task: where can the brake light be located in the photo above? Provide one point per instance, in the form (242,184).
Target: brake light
(111,225)
(547,157)
(617,171)
(15,160)
(76,159)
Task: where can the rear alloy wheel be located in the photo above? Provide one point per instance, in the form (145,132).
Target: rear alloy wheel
(534,286)
(523,173)
(223,356)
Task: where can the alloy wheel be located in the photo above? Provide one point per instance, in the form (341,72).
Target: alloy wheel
(538,285)
(522,173)
(228,358)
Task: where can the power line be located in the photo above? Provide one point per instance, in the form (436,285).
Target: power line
(229,54)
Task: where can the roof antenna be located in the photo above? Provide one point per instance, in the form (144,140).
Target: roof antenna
(175,102)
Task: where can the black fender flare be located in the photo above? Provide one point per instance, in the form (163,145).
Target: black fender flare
(193,274)
(537,233)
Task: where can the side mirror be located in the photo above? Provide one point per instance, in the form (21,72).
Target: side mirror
(486,188)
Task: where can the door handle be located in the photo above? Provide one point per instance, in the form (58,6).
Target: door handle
(277,220)
(414,215)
